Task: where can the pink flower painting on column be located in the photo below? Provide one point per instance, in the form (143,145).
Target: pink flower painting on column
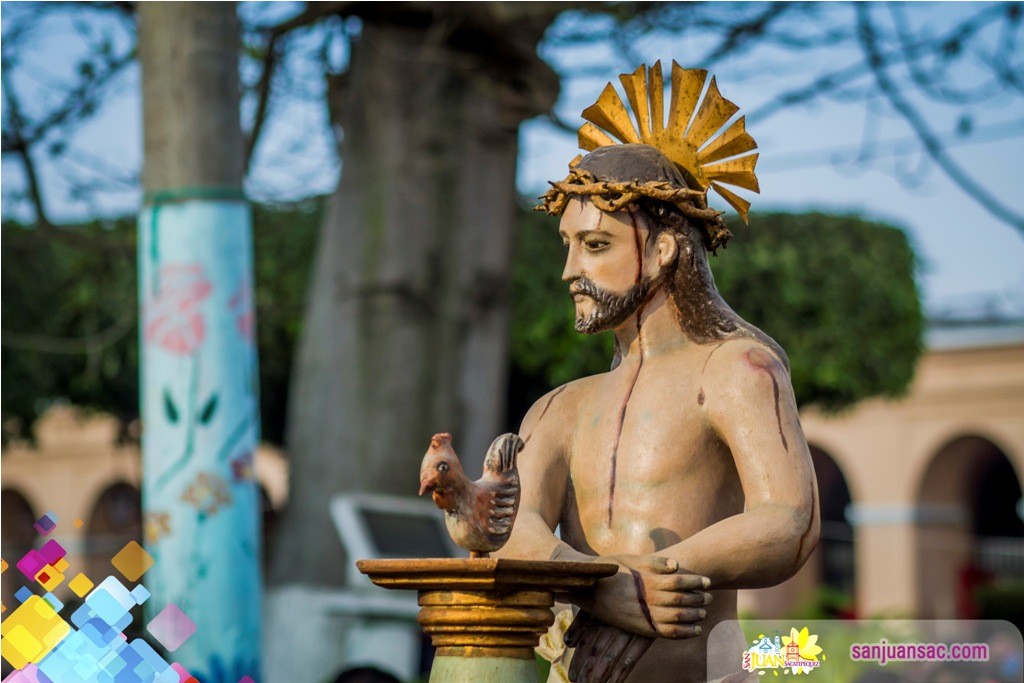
(173,318)
(241,306)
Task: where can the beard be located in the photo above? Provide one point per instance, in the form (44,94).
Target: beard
(610,309)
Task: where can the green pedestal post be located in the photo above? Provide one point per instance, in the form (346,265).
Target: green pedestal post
(483,670)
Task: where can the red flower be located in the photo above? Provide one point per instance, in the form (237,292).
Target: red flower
(173,319)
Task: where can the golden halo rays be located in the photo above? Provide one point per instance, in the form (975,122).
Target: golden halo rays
(690,140)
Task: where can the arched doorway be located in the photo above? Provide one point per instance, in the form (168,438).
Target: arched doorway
(970,532)
(115,520)
(835,556)
(17,537)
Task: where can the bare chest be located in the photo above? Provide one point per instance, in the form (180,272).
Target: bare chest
(648,424)
(643,461)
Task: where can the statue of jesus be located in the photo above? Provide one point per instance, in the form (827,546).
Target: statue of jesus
(685,464)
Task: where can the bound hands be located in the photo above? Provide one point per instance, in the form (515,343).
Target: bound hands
(647,598)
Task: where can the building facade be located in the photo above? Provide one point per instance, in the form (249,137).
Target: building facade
(82,469)
(920,497)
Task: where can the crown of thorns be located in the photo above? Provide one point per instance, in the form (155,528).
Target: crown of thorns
(691,140)
(612,196)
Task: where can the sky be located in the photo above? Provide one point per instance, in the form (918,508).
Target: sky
(808,161)
(971,261)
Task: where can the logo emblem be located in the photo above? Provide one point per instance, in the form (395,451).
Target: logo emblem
(796,653)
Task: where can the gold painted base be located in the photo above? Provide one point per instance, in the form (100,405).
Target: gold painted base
(484,612)
(486,623)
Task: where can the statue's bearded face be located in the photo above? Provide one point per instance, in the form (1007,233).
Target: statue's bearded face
(605,264)
(609,310)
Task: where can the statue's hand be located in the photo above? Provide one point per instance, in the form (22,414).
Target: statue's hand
(604,654)
(649,597)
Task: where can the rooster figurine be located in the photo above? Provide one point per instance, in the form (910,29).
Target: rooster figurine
(479,515)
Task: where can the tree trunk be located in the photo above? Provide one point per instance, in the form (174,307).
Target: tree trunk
(198,365)
(406,325)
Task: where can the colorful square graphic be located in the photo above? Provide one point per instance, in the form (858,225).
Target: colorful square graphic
(132,561)
(55,603)
(45,524)
(171,627)
(152,666)
(49,578)
(31,563)
(3,565)
(52,551)
(27,675)
(183,675)
(115,615)
(31,632)
(102,634)
(140,594)
(111,602)
(88,645)
(77,658)
(80,585)
(112,664)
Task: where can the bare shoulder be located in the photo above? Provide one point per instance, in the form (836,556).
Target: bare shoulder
(554,407)
(734,359)
(749,403)
(736,369)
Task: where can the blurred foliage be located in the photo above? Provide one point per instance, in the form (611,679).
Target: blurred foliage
(1001,601)
(824,603)
(837,292)
(69,320)
(70,323)
(284,243)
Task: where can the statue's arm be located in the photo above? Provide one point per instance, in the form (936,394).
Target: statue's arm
(749,404)
(543,476)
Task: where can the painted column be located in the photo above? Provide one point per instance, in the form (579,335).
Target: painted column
(199,394)
(200,409)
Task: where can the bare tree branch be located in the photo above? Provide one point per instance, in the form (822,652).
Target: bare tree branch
(561,124)
(740,35)
(916,59)
(44,226)
(15,138)
(935,83)
(263,94)
(87,345)
(932,144)
(821,84)
(313,13)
